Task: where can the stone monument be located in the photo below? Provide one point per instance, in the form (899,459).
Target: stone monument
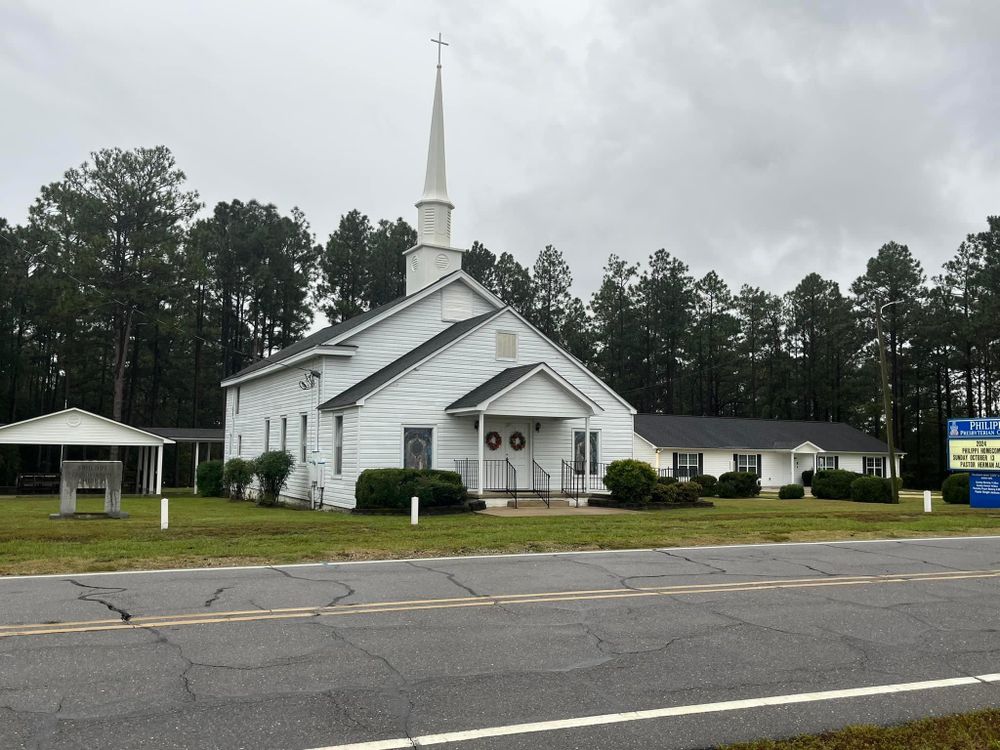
(91,475)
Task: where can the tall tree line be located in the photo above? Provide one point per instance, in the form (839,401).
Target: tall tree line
(120,295)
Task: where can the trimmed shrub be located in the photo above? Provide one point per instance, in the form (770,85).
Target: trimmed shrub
(236,475)
(393,488)
(807,478)
(210,478)
(955,489)
(689,492)
(664,493)
(738,484)
(792,492)
(870,489)
(629,480)
(666,480)
(272,470)
(707,483)
(833,484)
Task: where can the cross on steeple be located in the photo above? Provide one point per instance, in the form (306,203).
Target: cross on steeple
(440,44)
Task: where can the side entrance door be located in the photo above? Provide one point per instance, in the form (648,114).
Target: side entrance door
(520,459)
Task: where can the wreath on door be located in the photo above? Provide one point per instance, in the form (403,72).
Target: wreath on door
(493,440)
(518,441)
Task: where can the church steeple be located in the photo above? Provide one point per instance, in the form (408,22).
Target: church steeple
(433,256)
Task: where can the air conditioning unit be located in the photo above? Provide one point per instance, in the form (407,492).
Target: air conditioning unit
(316,466)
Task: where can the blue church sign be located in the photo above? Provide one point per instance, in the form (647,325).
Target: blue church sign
(984,490)
(974,444)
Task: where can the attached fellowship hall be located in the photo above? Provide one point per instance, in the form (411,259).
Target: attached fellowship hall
(447,376)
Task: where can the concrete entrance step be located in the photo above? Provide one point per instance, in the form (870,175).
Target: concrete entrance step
(533,501)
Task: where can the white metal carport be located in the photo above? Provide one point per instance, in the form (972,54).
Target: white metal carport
(75,426)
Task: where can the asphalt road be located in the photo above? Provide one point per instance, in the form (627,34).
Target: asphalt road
(323,656)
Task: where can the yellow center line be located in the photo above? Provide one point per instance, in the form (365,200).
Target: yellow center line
(415,605)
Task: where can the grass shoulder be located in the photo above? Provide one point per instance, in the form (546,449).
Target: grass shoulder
(214,531)
(979,730)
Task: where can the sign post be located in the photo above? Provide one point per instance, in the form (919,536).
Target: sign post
(974,446)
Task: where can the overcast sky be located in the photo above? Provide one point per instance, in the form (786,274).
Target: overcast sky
(764,140)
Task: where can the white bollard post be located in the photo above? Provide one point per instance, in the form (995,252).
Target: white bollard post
(164,512)
(927,501)
(414,510)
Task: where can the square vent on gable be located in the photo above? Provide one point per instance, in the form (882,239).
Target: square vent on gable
(456,302)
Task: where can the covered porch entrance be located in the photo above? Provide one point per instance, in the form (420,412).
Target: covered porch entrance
(525,419)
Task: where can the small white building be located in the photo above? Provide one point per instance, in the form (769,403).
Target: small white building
(778,451)
(447,377)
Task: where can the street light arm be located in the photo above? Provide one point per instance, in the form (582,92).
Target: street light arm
(888,304)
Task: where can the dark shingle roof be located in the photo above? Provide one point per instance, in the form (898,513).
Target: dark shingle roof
(675,431)
(492,386)
(380,377)
(323,335)
(188,434)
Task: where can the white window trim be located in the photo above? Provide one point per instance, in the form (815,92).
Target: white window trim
(824,459)
(687,469)
(303,436)
(283,438)
(333,444)
(434,442)
(600,444)
(496,345)
(877,470)
(750,457)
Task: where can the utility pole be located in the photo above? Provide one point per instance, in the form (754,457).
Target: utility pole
(887,402)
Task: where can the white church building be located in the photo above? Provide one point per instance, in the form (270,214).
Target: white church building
(446,377)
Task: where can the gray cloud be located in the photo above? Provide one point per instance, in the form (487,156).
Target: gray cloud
(762,139)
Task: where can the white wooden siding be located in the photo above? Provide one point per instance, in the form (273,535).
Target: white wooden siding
(421,396)
(278,394)
(643,451)
(776,466)
(75,427)
(540,396)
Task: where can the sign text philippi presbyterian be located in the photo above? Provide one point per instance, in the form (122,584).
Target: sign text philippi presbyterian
(974,444)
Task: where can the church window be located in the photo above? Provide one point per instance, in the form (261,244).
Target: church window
(283,445)
(338,445)
(506,345)
(303,436)
(418,447)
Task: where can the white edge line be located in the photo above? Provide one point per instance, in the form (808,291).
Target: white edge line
(660,713)
(566,553)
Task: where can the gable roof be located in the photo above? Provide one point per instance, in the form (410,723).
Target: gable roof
(506,379)
(379,378)
(315,339)
(75,426)
(677,431)
(492,386)
(335,332)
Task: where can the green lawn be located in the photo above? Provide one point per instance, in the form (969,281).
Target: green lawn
(973,731)
(211,531)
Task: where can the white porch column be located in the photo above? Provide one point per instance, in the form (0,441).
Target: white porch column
(586,454)
(197,448)
(481,463)
(148,474)
(159,469)
(792,475)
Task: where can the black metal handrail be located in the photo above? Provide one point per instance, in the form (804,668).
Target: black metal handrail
(571,481)
(540,483)
(468,469)
(683,473)
(498,474)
